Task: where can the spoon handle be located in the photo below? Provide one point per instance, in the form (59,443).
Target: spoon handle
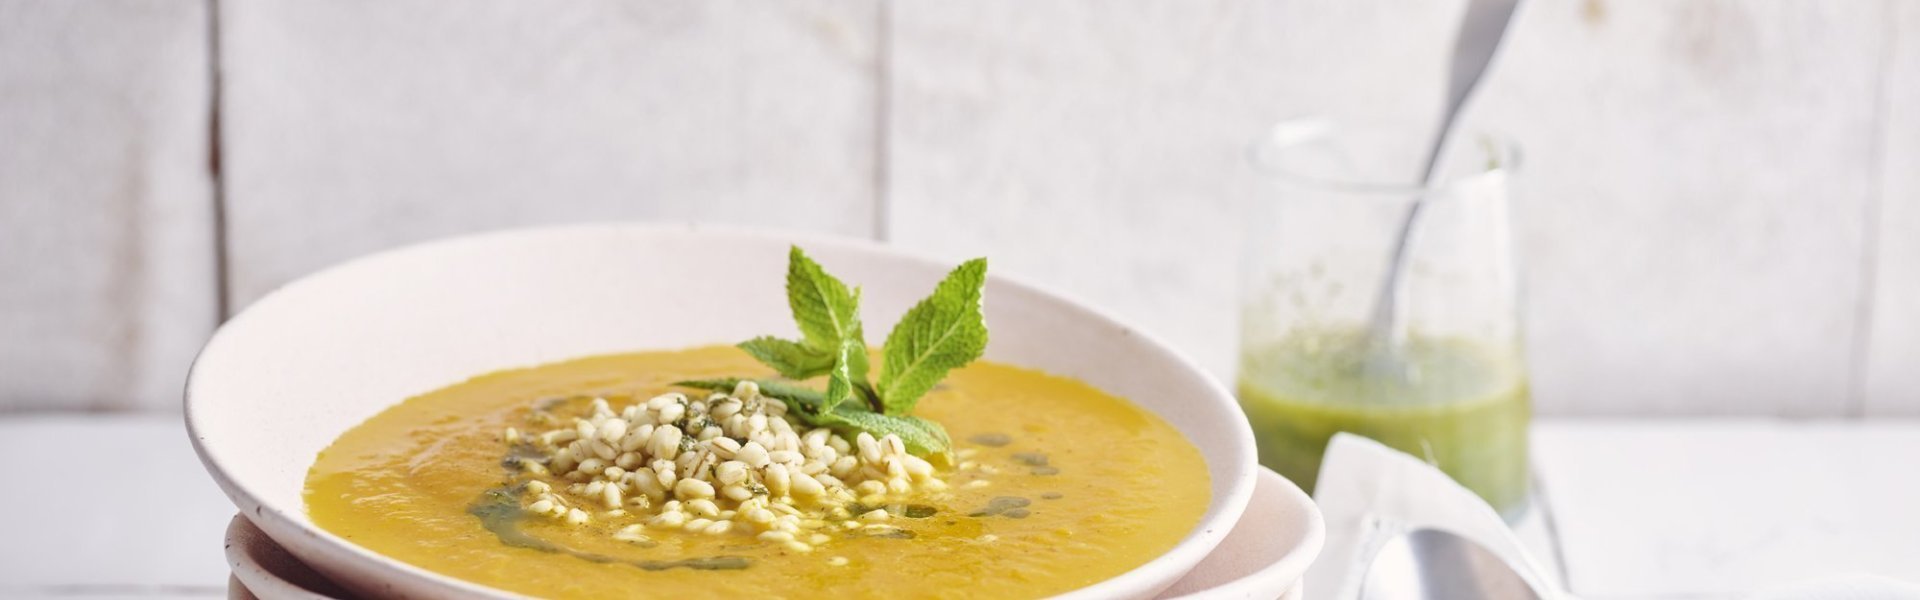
(1481,29)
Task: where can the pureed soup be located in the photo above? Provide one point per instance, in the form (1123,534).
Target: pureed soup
(1057,486)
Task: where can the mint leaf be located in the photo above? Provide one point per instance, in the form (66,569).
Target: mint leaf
(792,359)
(718,384)
(922,437)
(857,359)
(940,334)
(827,312)
(824,308)
(840,379)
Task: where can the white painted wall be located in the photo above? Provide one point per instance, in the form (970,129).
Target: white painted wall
(1719,208)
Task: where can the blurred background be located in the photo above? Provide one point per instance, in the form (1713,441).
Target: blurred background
(1718,216)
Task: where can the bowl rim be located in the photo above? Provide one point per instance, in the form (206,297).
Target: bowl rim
(1166,568)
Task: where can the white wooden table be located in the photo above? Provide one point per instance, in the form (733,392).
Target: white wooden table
(1635,509)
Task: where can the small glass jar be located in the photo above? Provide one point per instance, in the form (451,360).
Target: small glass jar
(1448,383)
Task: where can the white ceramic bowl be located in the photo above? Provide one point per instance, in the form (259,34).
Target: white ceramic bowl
(279,382)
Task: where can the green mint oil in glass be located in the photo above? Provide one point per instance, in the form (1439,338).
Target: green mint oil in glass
(1453,389)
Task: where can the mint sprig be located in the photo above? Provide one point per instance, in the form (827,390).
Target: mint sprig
(941,333)
(828,313)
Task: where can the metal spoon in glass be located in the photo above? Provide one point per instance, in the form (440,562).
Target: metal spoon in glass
(1481,30)
(1431,564)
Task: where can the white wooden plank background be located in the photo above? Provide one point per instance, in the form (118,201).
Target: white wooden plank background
(106,249)
(1718,212)
(1695,199)
(360,125)
(1892,367)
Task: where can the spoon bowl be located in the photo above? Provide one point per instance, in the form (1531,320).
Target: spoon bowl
(1435,564)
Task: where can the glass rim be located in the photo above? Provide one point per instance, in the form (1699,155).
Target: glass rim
(1505,154)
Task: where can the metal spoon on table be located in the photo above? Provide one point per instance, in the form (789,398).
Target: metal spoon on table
(1431,564)
(1481,30)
